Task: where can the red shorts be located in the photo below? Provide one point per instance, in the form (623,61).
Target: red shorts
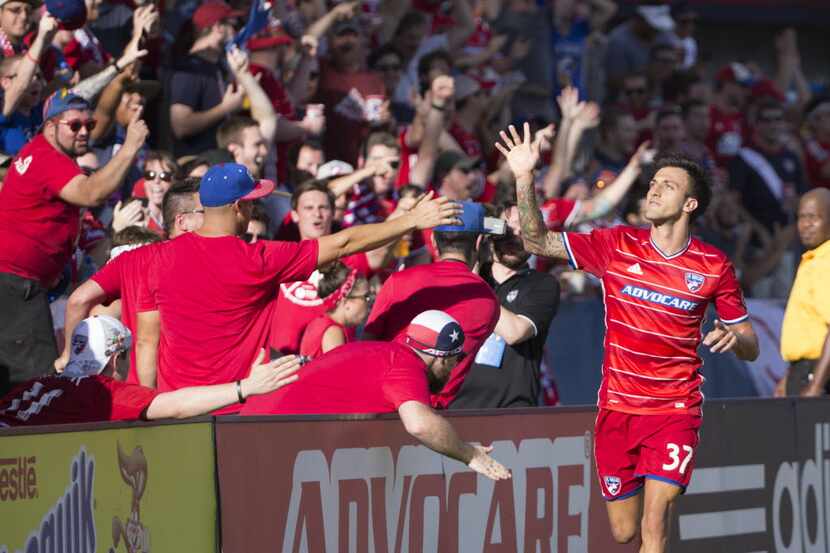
(630,448)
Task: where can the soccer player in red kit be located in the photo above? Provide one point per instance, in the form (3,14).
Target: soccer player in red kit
(657,283)
(399,378)
(87,391)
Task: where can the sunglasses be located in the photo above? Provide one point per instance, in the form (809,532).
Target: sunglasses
(166,176)
(75,125)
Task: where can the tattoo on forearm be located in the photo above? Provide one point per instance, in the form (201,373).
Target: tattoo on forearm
(537,239)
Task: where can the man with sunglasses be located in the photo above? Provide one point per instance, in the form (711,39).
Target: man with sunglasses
(399,379)
(40,208)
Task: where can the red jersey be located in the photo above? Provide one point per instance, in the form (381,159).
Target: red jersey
(654,308)
(37,228)
(297,304)
(817,160)
(468,141)
(124,278)
(62,400)
(445,285)
(342,382)
(215,298)
(312,343)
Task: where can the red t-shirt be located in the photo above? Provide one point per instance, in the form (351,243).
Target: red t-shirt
(468,141)
(446,285)
(37,229)
(62,400)
(817,158)
(726,134)
(125,278)
(654,308)
(341,381)
(297,305)
(345,133)
(215,298)
(312,342)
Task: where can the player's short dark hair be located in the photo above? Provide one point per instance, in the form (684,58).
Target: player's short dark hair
(134,235)
(314,185)
(699,179)
(177,200)
(456,242)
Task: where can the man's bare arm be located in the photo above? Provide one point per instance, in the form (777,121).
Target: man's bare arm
(148,332)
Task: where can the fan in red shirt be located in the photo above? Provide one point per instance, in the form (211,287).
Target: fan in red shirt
(448,285)
(727,123)
(40,203)
(399,379)
(657,283)
(346,297)
(123,278)
(89,389)
(214,293)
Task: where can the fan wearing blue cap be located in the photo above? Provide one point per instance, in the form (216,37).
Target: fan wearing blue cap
(217,291)
(398,379)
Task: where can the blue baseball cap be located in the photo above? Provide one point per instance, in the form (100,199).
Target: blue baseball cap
(62,101)
(71,14)
(226,183)
(474,219)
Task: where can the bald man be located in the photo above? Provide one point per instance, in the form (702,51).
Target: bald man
(805,341)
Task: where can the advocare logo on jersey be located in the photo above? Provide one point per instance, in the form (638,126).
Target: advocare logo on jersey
(70,524)
(18,478)
(658,297)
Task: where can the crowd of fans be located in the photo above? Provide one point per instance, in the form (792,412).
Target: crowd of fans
(113,113)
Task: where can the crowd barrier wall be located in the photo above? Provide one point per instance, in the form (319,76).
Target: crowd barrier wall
(134,488)
(361,484)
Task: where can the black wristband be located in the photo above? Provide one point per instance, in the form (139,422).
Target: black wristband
(239,392)
(439,108)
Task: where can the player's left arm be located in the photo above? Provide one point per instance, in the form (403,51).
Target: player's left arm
(739,338)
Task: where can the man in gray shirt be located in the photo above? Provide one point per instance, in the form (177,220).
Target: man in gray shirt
(629,43)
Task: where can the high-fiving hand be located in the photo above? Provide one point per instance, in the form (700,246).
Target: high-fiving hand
(521,153)
(483,464)
(721,338)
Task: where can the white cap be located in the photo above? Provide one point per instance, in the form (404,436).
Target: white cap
(658,17)
(334,168)
(94,342)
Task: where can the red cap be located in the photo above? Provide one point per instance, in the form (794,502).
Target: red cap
(211,13)
(269,38)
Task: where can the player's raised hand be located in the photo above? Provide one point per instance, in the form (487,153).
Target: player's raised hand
(429,212)
(522,155)
(272,375)
(721,338)
(483,464)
